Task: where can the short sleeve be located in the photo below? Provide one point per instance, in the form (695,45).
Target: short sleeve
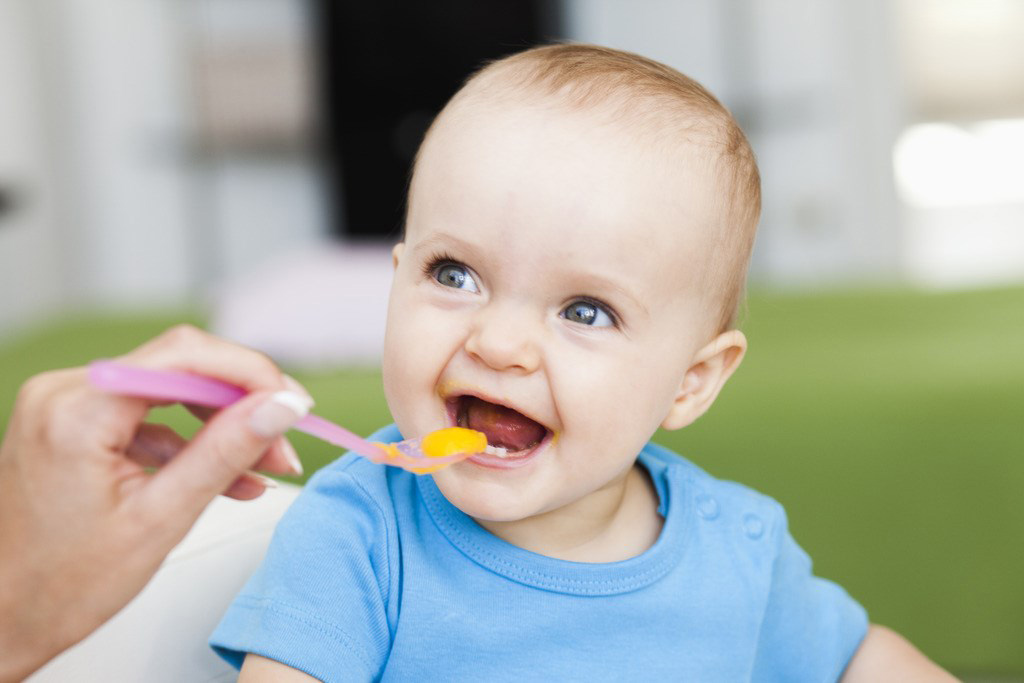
(318,602)
(811,627)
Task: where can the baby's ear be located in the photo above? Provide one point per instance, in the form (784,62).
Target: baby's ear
(396,254)
(712,366)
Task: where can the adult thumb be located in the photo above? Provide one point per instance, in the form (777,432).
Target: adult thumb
(230,443)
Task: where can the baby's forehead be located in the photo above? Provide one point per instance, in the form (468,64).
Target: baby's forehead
(551,134)
(574,176)
(651,121)
(618,154)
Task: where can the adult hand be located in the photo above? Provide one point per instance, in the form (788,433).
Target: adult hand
(83,524)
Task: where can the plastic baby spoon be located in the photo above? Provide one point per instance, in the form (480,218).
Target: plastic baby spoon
(435,451)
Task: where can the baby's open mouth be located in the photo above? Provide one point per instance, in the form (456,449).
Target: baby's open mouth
(506,429)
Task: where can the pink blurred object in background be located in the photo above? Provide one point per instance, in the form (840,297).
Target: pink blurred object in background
(321,307)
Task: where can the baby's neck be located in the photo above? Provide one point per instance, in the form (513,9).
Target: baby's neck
(616,523)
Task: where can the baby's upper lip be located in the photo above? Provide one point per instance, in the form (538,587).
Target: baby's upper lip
(456,394)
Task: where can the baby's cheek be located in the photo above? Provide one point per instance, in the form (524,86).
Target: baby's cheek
(399,367)
(412,367)
(594,399)
(630,403)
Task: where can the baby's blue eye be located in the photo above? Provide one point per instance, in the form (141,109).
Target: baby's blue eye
(587,313)
(455,276)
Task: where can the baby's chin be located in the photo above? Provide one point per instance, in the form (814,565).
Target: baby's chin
(482,502)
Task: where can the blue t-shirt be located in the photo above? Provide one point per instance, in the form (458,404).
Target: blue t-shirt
(373,575)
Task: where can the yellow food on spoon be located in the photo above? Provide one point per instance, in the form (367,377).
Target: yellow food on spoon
(441,444)
(452,441)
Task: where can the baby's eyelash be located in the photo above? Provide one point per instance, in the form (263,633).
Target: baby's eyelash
(436,261)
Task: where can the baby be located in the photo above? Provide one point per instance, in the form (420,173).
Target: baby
(579,225)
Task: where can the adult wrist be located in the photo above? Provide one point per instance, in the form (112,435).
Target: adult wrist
(24,647)
(31,631)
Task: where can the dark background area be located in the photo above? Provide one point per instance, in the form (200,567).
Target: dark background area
(385,70)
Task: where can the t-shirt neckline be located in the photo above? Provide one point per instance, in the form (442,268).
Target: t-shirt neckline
(565,576)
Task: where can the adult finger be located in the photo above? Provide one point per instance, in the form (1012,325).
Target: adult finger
(204,413)
(63,416)
(154,445)
(249,486)
(280,458)
(190,349)
(228,445)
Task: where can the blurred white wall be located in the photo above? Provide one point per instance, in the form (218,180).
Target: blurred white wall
(119,111)
(30,244)
(130,199)
(258,192)
(813,85)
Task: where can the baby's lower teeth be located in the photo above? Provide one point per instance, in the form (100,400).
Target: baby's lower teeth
(497,450)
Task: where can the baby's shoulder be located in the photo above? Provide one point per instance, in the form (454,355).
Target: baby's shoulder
(350,471)
(371,487)
(355,494)
(736,508)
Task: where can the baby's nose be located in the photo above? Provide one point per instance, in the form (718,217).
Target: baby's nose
(505,337)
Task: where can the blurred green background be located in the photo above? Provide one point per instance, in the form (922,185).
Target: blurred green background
(889,423)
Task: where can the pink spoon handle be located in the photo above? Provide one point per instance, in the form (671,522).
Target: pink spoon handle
(339,436)
(163,385)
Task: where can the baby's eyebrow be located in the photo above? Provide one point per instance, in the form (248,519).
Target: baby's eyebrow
(603,284)
(444,239)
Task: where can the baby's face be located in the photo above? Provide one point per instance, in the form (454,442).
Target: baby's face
(546,294)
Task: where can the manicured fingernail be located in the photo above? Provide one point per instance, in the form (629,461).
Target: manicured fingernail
(266,481)
(291,456)
(294,385)
(279,412)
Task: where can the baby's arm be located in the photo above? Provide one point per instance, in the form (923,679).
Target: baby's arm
(886,656)
(256,669)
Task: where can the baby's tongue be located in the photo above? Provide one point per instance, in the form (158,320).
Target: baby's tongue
(503,426)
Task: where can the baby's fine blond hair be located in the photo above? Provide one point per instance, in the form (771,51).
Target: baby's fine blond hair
(657,103)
